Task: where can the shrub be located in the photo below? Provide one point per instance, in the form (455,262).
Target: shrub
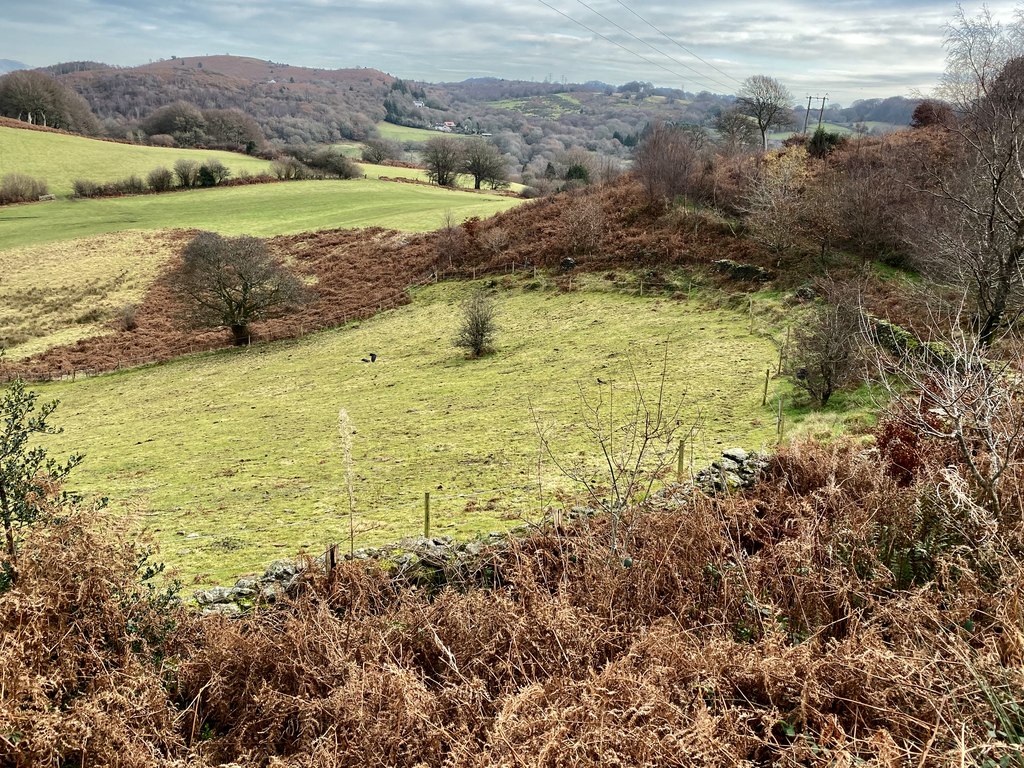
(160,180)
(826,352)
(86,188)
(289,169)
(212,173)
(132,185)
(19,188)
(187,172)
(162,140)
(334,163)
(128,318)
(477,326)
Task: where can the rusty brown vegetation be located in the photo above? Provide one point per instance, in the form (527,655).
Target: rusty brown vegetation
(845,610)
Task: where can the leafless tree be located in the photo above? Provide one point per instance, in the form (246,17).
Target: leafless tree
(484,162)
(773,204)
(825,351)
(974,235)
(948,388)
(768,102)
(635,431)
(736,131)
(232,282)
(666,160)
(442,156)
(584,224)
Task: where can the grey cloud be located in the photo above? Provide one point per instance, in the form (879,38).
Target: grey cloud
(860,48)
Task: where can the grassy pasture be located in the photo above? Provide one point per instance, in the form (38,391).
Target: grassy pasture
(404,133)
(58,294)
(232,458)
(262,210)
(60,159)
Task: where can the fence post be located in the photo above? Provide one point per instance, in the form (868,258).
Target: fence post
(682,454)
(782,417)
(767,376)
(426,515)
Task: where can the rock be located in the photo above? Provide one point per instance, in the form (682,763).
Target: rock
(726,464)
(222,609)
(214,596)
(740,271)
(736,454)
(281,570)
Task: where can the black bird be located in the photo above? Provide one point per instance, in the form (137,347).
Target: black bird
(373,358)
(601,381)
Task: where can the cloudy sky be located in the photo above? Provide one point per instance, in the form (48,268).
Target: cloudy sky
(848,48)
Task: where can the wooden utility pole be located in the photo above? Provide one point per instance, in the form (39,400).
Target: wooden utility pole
(821,113)
(807,112)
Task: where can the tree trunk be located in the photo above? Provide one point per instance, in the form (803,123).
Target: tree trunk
(241,335)
(5,510)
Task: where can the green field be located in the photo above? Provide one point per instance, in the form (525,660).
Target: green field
(261,210)
(59,159)
(232,459)
(403,133)
(58,293)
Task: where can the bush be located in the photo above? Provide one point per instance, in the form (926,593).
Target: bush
(290,169)
(826,352)
(160,180)
(128,318)
(162,140)
(334,163)
(132,185)
(212,173)
(187,172)
(19,188)
(478,325)
(86,188)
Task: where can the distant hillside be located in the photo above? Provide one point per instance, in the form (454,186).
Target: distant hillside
(293,105)
(9,65)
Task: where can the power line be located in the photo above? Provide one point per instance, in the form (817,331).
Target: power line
(700,74)
(613,42)
(676,42)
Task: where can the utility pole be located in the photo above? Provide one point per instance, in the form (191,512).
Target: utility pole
(821,113)
(807,112)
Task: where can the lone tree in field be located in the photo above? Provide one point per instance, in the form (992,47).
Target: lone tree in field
(232,282)
(768,102)
(28,477)
(443,158)
(483,161)
(478,326)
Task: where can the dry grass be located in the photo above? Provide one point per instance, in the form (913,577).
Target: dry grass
(767,629)
(60,293)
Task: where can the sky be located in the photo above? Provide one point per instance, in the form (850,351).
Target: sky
(847,49)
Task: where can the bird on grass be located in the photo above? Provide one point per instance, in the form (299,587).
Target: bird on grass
(373,358)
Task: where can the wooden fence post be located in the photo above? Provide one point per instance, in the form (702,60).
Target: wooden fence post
(426,515)
(767,376)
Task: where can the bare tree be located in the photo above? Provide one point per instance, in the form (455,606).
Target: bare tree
(974,235)
(232,282)
(442,156)
(635,430)
(736,131)
(825,355)
(948,388)
(774,204)
(483,161)
(767,101)
(666,160)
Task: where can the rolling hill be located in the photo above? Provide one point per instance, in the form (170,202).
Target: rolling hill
(59,159)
